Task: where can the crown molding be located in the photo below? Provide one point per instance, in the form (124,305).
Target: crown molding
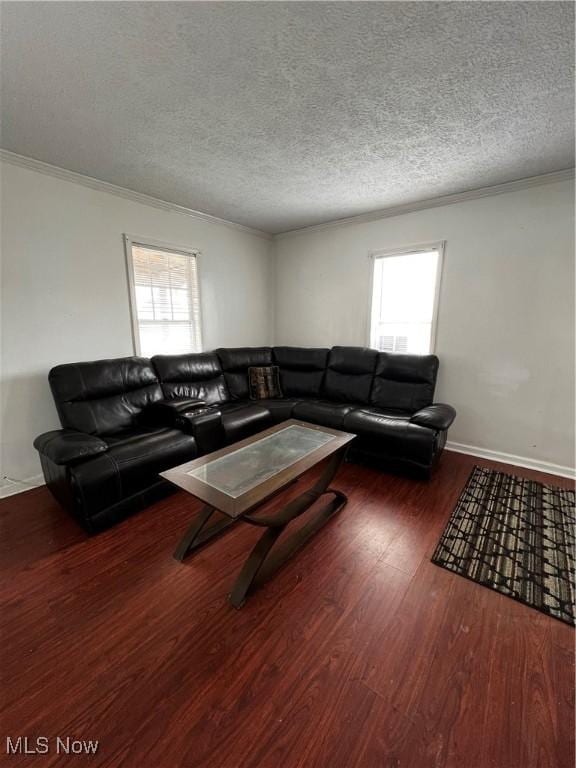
(435,202)
(128,194)
(362,218)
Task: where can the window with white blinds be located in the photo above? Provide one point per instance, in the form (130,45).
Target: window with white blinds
(405,300)
(165,299)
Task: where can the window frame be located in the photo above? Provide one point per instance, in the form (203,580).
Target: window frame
(148,242)
(440,247)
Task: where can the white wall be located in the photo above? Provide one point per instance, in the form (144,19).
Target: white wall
(65,296)
(506,319)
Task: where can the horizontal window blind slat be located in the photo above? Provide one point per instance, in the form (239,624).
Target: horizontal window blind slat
(167,301)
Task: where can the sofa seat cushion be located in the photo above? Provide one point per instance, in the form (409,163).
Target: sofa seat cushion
(374,421)
(322,412)
(391,433)
(279,410)
(141,453)
(241,419)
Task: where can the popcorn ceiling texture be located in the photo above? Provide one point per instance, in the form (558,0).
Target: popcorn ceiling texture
(283,115)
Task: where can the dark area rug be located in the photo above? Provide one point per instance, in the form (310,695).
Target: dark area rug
(515,536)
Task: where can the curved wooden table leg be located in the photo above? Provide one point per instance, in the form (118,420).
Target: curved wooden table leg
(252,566)
(196,535)
(257,567)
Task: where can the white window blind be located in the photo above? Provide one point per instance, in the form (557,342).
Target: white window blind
(404,295)
(166,300)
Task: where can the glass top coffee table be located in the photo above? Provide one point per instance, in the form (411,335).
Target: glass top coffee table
(238,480)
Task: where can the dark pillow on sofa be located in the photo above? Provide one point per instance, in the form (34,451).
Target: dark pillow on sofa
(264,382)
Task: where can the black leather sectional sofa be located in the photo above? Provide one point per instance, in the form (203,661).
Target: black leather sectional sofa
(125,420)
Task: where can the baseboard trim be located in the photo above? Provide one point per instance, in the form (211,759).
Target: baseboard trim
(34,480)
(10,487)
(510,458)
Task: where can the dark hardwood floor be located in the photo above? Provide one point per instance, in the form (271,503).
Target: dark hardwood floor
(360,652)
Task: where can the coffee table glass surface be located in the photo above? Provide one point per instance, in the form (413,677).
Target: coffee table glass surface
(244,469)
(241,476)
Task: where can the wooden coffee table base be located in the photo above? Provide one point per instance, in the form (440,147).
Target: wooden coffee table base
(259,567)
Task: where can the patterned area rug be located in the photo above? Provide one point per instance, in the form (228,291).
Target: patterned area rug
(515,536)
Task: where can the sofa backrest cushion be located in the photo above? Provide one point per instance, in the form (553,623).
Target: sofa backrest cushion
(302,370)
(104,396)
(235,363)
(197,376)
(404,382)
(349,374)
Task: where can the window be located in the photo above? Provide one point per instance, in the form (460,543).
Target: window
(165,299)
(404,299)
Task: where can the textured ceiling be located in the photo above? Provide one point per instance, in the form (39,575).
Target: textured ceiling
(286,114)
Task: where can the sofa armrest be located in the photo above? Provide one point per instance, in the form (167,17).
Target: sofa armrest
(66,446)
(436,416)
(165,412)
(205,425)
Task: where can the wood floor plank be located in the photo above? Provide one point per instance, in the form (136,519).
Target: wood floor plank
(359,652)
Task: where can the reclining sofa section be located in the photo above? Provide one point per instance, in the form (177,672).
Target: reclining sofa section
(125,420)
